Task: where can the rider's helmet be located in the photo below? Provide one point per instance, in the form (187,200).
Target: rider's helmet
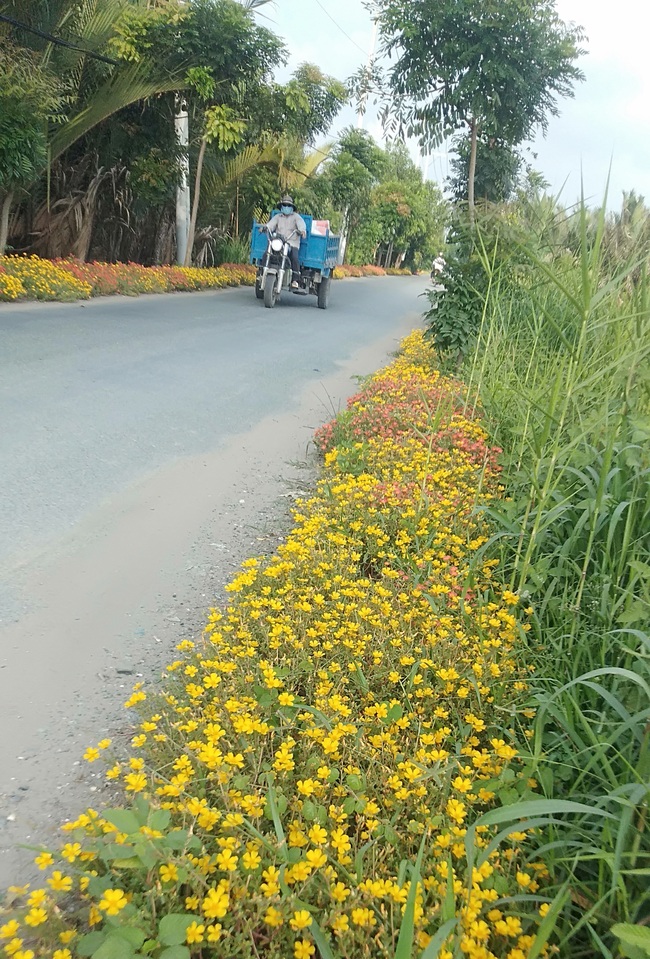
(287,201)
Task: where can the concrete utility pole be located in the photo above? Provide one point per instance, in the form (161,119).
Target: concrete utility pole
(181,125)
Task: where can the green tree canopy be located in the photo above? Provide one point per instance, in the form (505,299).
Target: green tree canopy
(498,166)
(493,67)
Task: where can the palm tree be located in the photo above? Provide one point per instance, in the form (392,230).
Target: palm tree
(94,89)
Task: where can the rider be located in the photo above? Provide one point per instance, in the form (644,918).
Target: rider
(291,227)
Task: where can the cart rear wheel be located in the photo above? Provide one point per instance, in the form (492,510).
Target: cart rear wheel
(259,292)
(270,294)
(323,293)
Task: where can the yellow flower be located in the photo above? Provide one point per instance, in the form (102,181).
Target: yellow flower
(13,947)
(61,954)
(215,905)
(251,859)
(502,750)
(112,902)
(135,782)
(510,926)
(456,810)
(44,859)
(9,930)
(303,949)
(168,872)
(306,787)
(36,916)
(37,897)
(273,917)
(299,872)
(364,918)
(227,861)
(91,754)
(339,892)
(213,932)
(194,933)
(300,920)
(59,882)
(461,784)
(316,858)
(318,835)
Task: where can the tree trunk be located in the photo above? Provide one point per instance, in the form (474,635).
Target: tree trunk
(343,245)
(4,221)
(472,170)
(161,241)
(195,203)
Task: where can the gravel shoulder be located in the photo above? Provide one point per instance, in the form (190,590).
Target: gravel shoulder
(110,598)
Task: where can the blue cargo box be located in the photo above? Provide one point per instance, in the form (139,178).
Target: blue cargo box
(316,252)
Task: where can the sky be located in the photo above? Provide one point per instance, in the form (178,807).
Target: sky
(607,122)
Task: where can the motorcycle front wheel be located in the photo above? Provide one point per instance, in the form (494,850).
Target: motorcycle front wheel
(270,293)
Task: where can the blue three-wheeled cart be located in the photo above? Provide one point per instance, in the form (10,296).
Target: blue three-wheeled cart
(318,256)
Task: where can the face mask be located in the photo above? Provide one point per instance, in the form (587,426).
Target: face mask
(286,209)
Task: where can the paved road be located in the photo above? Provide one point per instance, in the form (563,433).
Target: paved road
(141,442)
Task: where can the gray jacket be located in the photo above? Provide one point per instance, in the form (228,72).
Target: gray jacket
(285,223)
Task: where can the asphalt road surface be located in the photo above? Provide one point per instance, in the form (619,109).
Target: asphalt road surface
(147,447)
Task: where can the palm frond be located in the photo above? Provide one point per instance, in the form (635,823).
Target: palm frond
(314,159)
(238,166)
(128,85)
(293,174)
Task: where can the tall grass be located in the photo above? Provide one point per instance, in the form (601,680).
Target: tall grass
(562,367)
(233,249)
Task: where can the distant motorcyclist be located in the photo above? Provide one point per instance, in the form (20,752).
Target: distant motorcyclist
(438,266)
(291,227)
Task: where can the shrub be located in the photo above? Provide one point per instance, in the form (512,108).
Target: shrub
(347,269)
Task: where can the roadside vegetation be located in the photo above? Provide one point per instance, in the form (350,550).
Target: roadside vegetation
(33,278)
(547,319)
(90,160)
(317,773)
(422,727)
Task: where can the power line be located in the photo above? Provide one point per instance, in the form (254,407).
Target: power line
(58,41)
(340,27)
